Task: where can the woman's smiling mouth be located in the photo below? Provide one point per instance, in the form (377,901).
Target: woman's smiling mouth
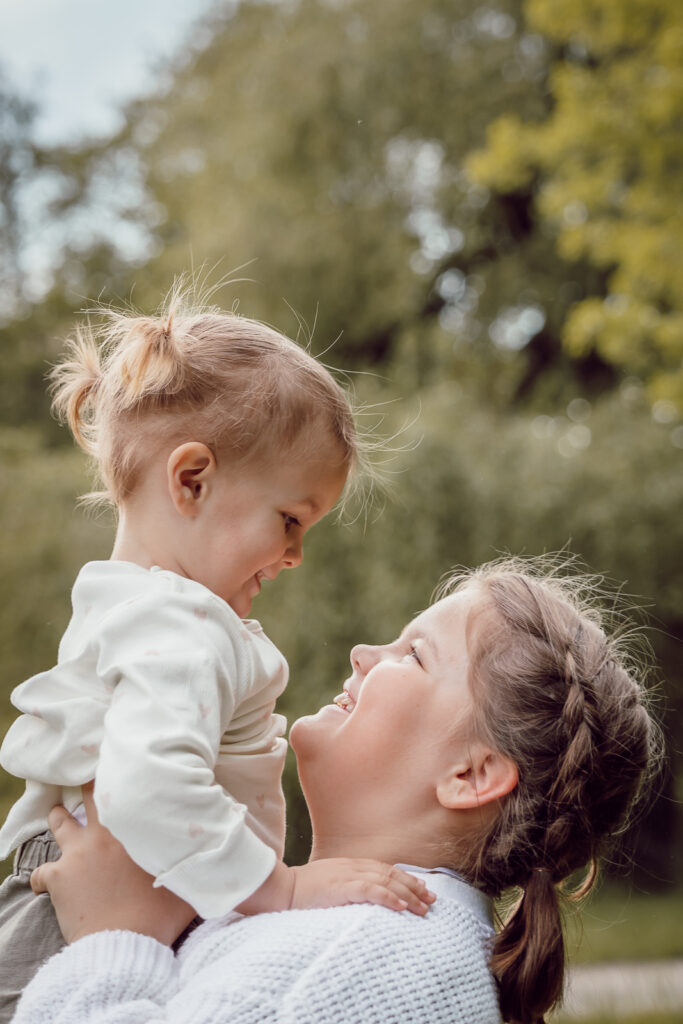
(345,701)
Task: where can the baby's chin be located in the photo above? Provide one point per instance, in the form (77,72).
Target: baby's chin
(241,606)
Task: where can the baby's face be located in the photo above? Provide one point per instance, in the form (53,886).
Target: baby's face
(254,523)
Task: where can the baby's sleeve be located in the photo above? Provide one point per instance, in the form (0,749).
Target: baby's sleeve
(178,669)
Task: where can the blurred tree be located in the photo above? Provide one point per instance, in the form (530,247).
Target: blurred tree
(326,142)
(50,199)
(606,163)
(603,476)
(17,157)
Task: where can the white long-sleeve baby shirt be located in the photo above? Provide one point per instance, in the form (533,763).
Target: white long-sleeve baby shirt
(166,698)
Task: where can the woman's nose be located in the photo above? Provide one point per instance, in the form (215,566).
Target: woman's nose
(363,657)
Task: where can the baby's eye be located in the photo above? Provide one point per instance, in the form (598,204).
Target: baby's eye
(290,521)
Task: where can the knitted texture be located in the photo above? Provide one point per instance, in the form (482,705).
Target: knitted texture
(346,965)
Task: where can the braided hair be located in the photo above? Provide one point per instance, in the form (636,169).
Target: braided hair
(559,697)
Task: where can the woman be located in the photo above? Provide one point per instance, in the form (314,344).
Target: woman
(500,737)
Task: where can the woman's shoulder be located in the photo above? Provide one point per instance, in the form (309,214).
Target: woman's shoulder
(456,892)
(330,965)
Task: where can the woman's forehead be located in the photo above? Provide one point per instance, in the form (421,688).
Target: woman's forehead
(444,623)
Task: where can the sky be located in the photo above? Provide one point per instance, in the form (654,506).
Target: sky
(81,59)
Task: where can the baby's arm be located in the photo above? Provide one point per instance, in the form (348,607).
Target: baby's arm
(178,679)
(337,881)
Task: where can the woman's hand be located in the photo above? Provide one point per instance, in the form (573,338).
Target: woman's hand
(95,886)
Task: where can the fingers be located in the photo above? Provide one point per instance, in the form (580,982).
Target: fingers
(88,791)
(380,895)
(416,902)
(62,825)
(416,886)
(411,891)
(373,892)
(40,878)
(392,887)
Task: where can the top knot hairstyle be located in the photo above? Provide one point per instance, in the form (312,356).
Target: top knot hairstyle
(564,701)
(193,373)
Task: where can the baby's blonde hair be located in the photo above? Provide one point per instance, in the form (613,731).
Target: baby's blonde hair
(129,384)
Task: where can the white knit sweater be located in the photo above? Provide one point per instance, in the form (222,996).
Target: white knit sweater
(347,965)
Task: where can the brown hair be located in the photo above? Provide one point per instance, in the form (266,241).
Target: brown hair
(193,373)
(560,698)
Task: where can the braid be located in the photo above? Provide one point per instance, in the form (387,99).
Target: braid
(575,724)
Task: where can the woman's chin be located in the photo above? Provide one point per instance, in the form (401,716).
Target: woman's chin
(310,726)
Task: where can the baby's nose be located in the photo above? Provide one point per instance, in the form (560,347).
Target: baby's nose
(294,555)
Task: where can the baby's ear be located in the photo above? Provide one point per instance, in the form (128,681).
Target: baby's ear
(190,470)
(484,776)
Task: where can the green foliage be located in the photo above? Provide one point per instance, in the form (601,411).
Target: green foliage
(626,925)
(329,142)
(477,485)
(334,171)
(638,1018)
(17,159)
(607,160)
(43,543)
(304,136)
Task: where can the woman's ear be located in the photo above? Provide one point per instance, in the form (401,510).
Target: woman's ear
(483,777)
(190,471)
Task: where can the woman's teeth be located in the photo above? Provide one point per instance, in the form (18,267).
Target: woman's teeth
(345,701)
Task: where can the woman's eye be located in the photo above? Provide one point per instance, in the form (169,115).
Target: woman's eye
(290,521)
(413,654)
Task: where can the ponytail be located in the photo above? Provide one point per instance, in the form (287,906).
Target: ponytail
(193,372)
(75,383)
(529,955)
(566,703)
(147,362)
(138,361)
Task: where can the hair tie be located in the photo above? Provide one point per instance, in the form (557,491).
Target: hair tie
(543,872)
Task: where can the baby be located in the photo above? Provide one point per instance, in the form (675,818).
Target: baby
(221,443)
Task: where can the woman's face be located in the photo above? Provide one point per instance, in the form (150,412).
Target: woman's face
(405,710)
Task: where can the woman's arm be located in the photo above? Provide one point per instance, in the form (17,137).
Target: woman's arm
(317,968)
(95,886)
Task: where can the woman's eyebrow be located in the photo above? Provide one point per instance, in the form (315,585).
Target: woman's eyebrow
(410,634)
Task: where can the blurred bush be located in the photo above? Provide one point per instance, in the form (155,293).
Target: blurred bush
(331,142)
(477,485)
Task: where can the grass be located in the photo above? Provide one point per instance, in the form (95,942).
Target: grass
(639,1018)
(619,924)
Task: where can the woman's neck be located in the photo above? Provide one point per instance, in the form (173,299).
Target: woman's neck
(387,846)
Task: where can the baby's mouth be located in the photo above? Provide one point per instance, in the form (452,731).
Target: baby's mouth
(345,701)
